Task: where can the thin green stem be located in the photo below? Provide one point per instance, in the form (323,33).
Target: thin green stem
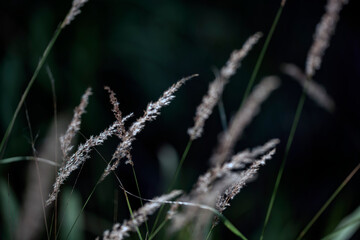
(221,217)
(37,173)
(138,189)
(287,149)
(229,225)
(52,81)
(210,232)
(328,202)
(183,157)
(24,95)
(173,182)
(68,200)
(86,202)
(28,158)
(82,209)
(158,229)
(131,213)
(262,54)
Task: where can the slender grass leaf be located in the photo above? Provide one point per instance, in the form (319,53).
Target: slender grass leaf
(346,228)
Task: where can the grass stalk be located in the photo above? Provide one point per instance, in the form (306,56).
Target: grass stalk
(131,213)
(86,202)
(82,210)
(328,202)
(28,158)
(157,230)
(67,201)
(262,54)
(210,232)
(53,91)
(37,173)
(282,167)
(138,190)
(178,169)
(173,182)
(24,95)
(221,217)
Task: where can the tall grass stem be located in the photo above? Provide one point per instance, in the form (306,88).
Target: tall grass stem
(37,173)
(52,81)
(328,202)
(138,189)
(82,210)
(287,149)
(173,182)
(262,54)
(24,95)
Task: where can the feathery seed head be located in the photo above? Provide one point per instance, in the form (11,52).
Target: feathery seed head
(75,10)
(324,30)
(313,89)
(242,119)
(150,114)
(216,87)
(244,177)
(74,126)
(80,156)
(120,231)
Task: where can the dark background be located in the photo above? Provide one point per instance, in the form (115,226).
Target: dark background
(139,48)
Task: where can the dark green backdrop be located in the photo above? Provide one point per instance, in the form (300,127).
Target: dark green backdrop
(139,48)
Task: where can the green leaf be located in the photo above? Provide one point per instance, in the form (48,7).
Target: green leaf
(346,228)
(9,210)
(71,205)
(27,158)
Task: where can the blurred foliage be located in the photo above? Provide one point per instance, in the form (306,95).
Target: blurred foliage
(139,48)
(71,205)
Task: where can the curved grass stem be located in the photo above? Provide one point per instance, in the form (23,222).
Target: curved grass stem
(138,189)
(282,167)
(173,182)
(262,54)
(27,89)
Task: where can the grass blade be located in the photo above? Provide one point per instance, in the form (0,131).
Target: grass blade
(24,95)
(262,54)
(173,182)
(138,190)
(282,167)
(9,210)
(346,228)
(327,203)
(69,212)
(28,158)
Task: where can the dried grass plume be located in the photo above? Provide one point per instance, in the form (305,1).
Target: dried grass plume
(74,126)
(313,89)
(216,87)
(243,117)
(120,231)
(74,10)
(150,114)
(324,30)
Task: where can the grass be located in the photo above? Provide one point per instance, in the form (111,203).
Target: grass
(196,208)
